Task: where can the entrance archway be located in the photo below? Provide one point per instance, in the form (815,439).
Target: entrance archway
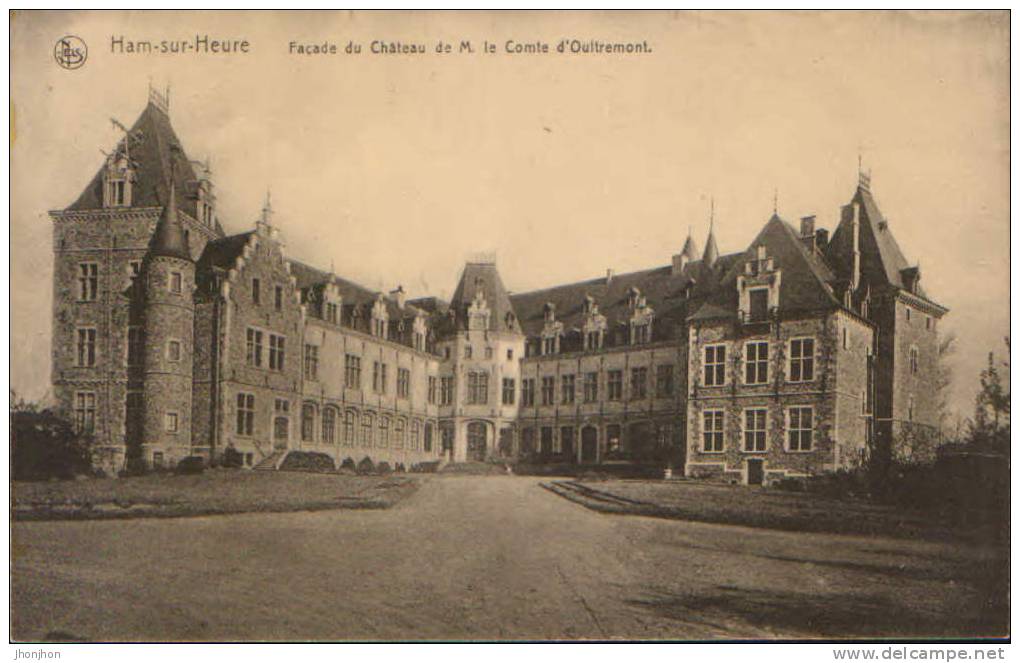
(281,431)
(589,444)
(476,441)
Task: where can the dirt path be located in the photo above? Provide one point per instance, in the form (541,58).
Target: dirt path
(487,558)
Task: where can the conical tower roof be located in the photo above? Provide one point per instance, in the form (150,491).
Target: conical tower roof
(711,249)
(690,250)
(169,240)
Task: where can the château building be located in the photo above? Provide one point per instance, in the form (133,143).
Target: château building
(801,354)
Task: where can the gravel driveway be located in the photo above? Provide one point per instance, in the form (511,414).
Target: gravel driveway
(486,558)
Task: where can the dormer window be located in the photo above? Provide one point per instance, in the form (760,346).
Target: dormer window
(758,287)
(550,345)
(478,311)
(759,303)
(117,182)
(642,333)
(634,299)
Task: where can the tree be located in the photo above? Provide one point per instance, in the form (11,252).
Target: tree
(990,426)
(944,380)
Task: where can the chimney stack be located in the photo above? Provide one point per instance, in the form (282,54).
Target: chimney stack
(399,296)
(807,226)
(609,276)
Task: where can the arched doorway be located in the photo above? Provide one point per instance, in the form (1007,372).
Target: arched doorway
(589,444)
(476,435)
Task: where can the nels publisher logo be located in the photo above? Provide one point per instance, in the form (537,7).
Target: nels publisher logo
(70,52)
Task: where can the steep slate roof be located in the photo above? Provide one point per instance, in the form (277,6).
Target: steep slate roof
(662,290)
(483,275)
(151,155)
(169,240)
(882,261)
(352,293)
(806,279)
(223,252)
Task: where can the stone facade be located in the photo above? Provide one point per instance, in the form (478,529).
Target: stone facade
(172,338)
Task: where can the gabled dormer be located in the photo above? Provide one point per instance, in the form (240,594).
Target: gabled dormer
(552,330)
(758,285)
(118,180)
(379,317)
(478,313)
(641,317)
(593,326)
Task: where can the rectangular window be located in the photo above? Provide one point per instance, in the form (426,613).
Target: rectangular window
(614,385)
(135,346)
(759,303)
(467,352)
(173,350)
(403,383)
(801,430)
(366,429)
(176,281)
(276,352)
(913,360)
(910,408)
(548,390)
(376,377)
(754,429)
(446,390)
(641,333)
(510,353)
(307,422)
(664,380)
(712,431)
(278,298)
(352,371)
(85,412)
(86,347)
(591,387)
(478,388)
(509,391)
(528,392)
(488,353)
(170,422)
(432,390)
(245,414)
(715,365)
(802,359)
(282,406)
(88,281)
(546,440)
(134,269)
(638,383)
(256,291)
(756,362)
(311,362)
(349,428)
(567,392)
(254,347)
(331,313)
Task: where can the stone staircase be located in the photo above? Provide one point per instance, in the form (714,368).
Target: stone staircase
(270,462)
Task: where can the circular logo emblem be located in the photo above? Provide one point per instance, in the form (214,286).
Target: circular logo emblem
(70,52)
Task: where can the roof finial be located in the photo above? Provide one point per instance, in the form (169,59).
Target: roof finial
(775,201)
(711,212)
(267,208)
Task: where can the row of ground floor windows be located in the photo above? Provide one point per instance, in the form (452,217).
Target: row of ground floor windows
(799,429)
(348,427)
(637,440)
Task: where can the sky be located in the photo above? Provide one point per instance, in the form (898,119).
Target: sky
(397,168)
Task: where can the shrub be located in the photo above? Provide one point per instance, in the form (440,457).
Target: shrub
(383,468)
(366,466)
(232,458)
(428,467)
(190,465)
(348,464)
(44,446)
(399,467)
(307,461)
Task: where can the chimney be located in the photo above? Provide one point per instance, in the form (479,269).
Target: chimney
(399,296)
(609,276)
(821,238)
(807,226)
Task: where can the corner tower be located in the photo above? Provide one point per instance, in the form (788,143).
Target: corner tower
(169,310)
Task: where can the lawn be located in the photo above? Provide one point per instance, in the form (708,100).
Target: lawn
(761,507)
(213,492)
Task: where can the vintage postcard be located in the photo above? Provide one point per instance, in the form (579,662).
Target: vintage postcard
(418,326)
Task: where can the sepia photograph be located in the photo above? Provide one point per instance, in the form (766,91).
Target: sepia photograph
(510,326)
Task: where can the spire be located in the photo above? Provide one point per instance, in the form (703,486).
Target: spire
(168,240)
(690,250)
(711,250)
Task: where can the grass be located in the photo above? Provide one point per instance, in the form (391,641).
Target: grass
(213,492)
(757,507)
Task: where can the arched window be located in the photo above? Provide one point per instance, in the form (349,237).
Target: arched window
(415,435)
(350,418)
(308,422)
(366,429)
(384,431)
(398,434)
(329,425)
